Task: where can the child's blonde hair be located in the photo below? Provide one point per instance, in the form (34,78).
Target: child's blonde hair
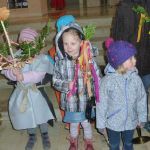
(121,70)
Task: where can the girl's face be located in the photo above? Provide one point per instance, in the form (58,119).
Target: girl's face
(130,63)
(71,43)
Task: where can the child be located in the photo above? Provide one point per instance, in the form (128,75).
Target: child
(69,78)
(123,104)
(27,106)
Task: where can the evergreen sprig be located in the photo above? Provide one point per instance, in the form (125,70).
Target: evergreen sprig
(28,50)
(4,49)
(6,26)
(140,10)
(40,42)
(89,31)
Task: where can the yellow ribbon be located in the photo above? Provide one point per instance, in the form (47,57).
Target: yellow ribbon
(142,18)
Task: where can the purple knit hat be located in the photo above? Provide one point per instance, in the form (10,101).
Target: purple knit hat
(28,35)
(119,51)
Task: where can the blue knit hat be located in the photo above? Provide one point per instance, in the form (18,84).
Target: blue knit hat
(118,52)
(64,21)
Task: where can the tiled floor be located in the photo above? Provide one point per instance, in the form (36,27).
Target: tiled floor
(15,140)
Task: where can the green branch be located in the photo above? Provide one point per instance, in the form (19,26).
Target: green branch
(4,49)
(89,31)
(140,10)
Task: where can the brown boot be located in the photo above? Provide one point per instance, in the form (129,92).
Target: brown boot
(73,143)
(88,144)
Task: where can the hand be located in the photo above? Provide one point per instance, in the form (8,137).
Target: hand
(102,131)
(17,72)
(141,125)
(9,58)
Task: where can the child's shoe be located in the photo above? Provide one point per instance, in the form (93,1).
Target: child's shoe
(73,143)
(67,126)
(46,141)
(31,142)
(88,144)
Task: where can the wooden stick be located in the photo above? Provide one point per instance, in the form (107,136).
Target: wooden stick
(8,40)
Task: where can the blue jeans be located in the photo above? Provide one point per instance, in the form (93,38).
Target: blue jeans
(146,81)
(115,136)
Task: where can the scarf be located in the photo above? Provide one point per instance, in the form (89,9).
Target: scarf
(90,78)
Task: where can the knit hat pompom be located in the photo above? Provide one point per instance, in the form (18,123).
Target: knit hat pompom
(64,21)
(120,51)
(28,35)
(108,42)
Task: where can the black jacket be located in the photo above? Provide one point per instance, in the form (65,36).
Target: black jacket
(125,27)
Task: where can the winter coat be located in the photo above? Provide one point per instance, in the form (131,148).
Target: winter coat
(125,27)
(64,72)
(27,106)
(123,101)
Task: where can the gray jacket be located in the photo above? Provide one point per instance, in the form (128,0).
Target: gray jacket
(123,102)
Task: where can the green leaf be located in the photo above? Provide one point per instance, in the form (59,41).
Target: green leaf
(140,10)
(89,31)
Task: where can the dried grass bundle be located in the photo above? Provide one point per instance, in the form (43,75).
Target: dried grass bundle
(4,13)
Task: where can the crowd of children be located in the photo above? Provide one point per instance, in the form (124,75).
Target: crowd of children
(119,96)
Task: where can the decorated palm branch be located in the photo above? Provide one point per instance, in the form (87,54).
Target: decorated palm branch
(144,18)
(29,50)
(89,31)
(85,61)
(86,66)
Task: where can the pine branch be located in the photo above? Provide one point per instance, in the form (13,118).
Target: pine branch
(1,28)
(4,49)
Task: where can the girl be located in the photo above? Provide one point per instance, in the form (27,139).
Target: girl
(27,106)
(68,77)
(123,104)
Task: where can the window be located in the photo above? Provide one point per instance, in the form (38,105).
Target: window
(13,4)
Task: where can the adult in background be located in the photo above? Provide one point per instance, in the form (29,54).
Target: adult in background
(125,26)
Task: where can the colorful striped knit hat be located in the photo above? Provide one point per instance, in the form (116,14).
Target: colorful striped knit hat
(27,35)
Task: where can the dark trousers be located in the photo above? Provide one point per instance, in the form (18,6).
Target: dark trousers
(146,82)
(115,137)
